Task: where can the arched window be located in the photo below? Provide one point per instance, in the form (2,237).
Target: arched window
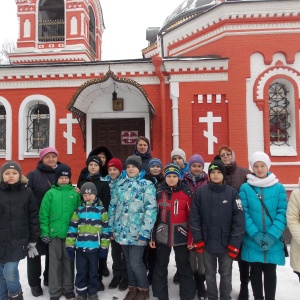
(279,116)
(92,31)
(38,120)
(2,128)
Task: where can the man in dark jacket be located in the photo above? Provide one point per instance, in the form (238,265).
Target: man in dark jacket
(217,223)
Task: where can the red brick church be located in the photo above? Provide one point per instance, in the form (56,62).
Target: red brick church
(216,72)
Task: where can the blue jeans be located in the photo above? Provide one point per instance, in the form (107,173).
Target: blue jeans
(211,260)
(136,270)
(9,279)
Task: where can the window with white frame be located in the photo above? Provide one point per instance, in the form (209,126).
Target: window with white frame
(38,121)
(2,128)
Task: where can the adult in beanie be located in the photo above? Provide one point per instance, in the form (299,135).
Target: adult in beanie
(265,202)
(19,228)
(217,206)
(235,177)
(197,177)
(40,181)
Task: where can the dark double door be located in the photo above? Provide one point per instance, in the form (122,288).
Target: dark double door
(108,132)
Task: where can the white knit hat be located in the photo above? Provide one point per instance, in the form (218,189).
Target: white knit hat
(260,156)
(179,152)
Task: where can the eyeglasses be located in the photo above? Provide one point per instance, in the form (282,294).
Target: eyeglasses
(225,155)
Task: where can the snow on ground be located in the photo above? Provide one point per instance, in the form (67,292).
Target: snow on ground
(288,286)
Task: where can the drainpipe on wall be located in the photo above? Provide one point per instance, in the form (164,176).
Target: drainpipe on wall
(174,94)
(157,62)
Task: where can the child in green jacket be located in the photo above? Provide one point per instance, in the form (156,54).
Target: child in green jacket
(56,210)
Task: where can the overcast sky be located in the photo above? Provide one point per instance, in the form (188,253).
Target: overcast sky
(125,22)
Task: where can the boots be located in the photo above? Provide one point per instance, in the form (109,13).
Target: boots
(244,292)
(132,293)
(200,287)
(142,295)
(18,296)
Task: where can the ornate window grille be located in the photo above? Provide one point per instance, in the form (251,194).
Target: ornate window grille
(2,128)
(279,116)
(38,120)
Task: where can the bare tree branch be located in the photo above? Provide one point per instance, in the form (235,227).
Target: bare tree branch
(7,47)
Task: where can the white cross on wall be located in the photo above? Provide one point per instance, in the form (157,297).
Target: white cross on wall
(209,134)
(68,135)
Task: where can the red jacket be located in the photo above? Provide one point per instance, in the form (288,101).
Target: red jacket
(173,213)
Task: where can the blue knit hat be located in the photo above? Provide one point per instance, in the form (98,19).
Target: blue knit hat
(155,162)
(172,168)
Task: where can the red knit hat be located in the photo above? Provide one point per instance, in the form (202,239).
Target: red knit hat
(115,162)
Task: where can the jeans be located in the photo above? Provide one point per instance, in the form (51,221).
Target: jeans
(269,280)
(136,270)
(9,279)
(225,270)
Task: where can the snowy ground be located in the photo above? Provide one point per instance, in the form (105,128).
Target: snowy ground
(288,287)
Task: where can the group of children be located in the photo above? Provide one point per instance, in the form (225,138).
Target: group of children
(181,207)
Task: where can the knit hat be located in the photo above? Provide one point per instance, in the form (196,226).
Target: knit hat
(260,156)
(115,162)
(134,160)
(47,150)
(196,158)
(179,152)
(62,170)
(172,168)
(217,165)
(155,162)
(10,165)
(88,188)
(94,158)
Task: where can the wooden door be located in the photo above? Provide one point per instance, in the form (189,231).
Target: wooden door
(108,132)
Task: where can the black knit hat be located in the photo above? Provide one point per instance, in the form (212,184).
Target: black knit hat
(217,165)
(10,165)
(88,188)
(94,158)
(62,170)
(134,160)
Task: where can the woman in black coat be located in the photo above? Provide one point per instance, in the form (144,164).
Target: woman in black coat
(40,180)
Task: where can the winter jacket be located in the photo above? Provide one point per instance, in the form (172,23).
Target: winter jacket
(195,182)
(56,210)
(88,228)
(174,206)
(40,180)
(19,223)
(257,220)
(217,217)
(293,222)
(132,212)
(236,176)
(185,169)
(102,187)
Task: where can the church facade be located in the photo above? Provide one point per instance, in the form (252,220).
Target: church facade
(215,73)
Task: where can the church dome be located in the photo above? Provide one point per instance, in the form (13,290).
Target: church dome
(186,10)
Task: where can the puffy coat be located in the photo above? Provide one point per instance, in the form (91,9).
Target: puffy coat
(257,220)
(195,182)
(293,222)
(174,209)
(19,223)
(56,210)
(217,217)
(236,176)
(132,212)
(88,229)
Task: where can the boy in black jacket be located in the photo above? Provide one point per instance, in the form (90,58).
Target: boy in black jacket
(217,223)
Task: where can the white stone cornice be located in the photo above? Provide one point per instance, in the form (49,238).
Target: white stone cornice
(208,77)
